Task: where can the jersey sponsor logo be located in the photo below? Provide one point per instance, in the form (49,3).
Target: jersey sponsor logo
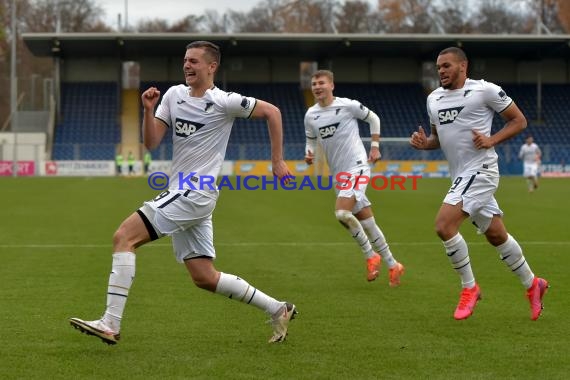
(328,130)
(185,128)
(467,93)
(316,117)
(337,111)
(503,95)
(439,98)
(180,101)
(448,115)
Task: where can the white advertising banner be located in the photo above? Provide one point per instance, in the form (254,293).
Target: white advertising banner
(80,168)
(108,169)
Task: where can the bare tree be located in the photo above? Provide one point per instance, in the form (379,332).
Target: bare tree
(213,22)
(156,25)
(406,16)
(189,24)
(355,17)
(452,16)
(265,17)
(547,16)
(309,16)
(72,16)
(494,16)
(564,15)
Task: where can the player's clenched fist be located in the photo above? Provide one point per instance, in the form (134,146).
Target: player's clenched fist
(150,97)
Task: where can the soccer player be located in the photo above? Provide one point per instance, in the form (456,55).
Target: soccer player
(200,117)
(461,113)
(333,121)
(530,153)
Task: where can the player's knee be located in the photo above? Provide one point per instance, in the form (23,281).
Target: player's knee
(444,230)
(344,217)
(125,239)
(120,236)
(204,281)
(496,237)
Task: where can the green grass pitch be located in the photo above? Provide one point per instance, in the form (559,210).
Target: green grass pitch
(55,257)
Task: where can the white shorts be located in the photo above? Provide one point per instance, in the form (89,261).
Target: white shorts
(359,193)
(186,216)
(530,170)
(477,191)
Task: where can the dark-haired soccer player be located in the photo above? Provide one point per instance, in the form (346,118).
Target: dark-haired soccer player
(461,113)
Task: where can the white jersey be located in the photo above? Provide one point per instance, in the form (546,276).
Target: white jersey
(200,132)
(456,113)
(530,153)
(336,127)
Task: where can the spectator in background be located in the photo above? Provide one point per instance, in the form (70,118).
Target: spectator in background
(131,163)
(531,154)
(147,159)
(119,161)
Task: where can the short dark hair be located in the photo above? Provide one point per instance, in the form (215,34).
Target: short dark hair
(211,49)
(459,53)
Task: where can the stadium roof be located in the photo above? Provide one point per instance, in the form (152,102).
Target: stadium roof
(133,46)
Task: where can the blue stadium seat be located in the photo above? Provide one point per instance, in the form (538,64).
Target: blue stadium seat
(89,126)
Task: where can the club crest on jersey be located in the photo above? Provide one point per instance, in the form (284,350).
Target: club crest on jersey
(209,108)
(185,128)
(448,115)
(328,130)
(244,102)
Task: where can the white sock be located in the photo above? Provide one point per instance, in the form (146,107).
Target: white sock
(378,241)
(238,289)
(458,254)
(120,281)
(511,253)
(355,228)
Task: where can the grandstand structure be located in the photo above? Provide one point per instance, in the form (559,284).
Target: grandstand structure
(98,116)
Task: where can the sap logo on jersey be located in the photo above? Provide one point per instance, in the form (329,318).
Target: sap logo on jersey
(185,128)
(328,130)
(448,115)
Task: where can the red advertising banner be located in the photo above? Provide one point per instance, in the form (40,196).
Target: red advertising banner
(25,168)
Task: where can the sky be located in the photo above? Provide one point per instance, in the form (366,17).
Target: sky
(171,10)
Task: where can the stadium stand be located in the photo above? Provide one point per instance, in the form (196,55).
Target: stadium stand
(89,126)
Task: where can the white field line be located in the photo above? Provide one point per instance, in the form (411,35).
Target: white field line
(264,244)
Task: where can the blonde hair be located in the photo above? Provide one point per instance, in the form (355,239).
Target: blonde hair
(324,73)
